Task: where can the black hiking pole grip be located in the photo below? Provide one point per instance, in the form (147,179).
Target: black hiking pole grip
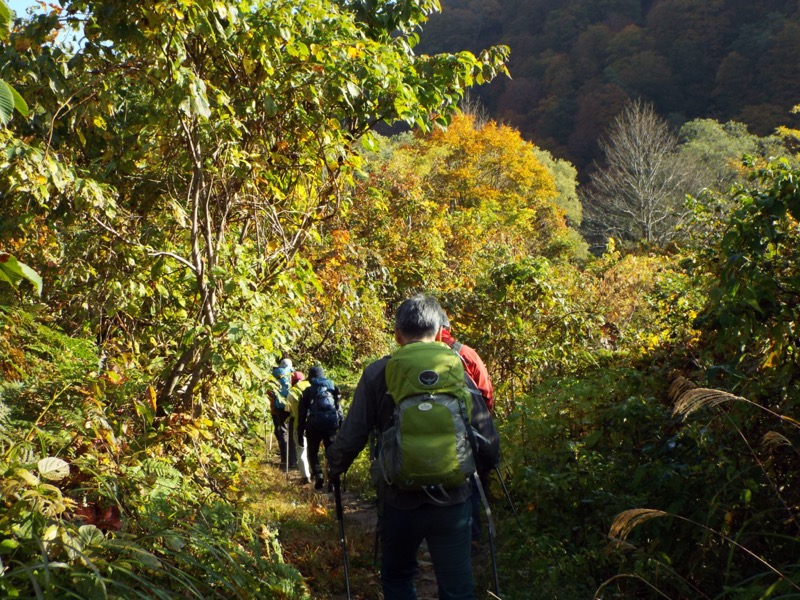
(337,495)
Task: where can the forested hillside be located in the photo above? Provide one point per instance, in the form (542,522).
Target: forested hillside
(192,191)
(574,63)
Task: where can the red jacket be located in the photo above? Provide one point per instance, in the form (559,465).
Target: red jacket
(475,368)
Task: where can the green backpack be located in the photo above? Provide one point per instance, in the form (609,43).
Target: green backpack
(427,445)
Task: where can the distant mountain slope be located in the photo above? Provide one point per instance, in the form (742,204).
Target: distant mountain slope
(574,63)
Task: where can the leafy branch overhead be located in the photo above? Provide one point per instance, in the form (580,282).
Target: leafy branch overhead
(10,100)
(217,137)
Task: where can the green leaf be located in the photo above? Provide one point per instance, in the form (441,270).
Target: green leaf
(13,271)
(270,108)
(6,102)
(353,89)
(10,100)
(27,476)
(8,545)
(369,142)
(19,102)
(196,103)
(5,20)
(90,535)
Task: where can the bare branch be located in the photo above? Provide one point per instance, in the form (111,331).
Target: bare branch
(150,252)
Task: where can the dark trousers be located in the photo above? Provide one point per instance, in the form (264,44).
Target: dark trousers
(314,439)
(283,421)
(447,532)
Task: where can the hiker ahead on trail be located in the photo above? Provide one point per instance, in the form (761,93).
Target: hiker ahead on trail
(299,384)
(281,417)
(476,370)
(473,364)
(319,417)
(431,434)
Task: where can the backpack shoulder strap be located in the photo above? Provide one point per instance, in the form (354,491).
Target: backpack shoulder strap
(456,347)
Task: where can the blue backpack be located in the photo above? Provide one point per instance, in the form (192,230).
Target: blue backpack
(322,415)
(284,377)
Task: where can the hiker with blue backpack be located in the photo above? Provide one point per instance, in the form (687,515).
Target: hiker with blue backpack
(319,418)
(433,429)
(281,416)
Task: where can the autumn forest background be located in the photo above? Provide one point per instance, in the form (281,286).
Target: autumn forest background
(603,195)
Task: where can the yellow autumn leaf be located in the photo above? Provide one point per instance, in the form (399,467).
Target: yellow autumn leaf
(151,394)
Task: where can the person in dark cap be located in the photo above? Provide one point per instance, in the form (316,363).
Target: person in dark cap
(319,418)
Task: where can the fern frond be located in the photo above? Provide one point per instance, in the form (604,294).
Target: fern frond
(160,468)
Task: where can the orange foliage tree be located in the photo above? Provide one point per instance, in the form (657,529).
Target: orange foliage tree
(438,212)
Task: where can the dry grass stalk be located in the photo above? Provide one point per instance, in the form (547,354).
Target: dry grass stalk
(697,398)
(678,387)
(773,439)
(627,521)
(689,398)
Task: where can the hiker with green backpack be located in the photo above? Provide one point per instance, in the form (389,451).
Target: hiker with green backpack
(433,428)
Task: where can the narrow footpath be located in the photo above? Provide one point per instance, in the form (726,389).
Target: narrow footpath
(303,520)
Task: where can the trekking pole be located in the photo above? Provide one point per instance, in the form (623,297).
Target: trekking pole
(376,545)
(474,445)
(508,496)
(490,523)
(337,494)
(289,442)
(268,439)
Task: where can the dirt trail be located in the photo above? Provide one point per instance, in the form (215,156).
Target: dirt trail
(360,521)
(309,536)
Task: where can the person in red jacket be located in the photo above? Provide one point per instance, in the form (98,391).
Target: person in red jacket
(476,370)
(473,364)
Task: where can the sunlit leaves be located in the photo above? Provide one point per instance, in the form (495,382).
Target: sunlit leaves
(12,271)
(52,468)
(10,100)
(755,294)
(196,102)
(5,20)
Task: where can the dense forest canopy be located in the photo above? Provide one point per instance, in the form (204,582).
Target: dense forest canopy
(575,63)
(195,190)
